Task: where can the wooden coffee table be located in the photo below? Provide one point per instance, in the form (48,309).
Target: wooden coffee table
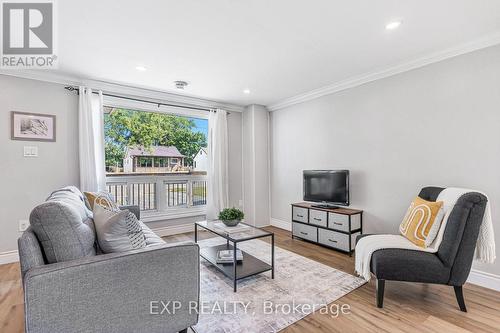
(250,265)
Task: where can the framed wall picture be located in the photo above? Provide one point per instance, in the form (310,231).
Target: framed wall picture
(33,126)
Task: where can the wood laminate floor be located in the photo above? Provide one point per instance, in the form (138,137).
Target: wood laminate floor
(408,307)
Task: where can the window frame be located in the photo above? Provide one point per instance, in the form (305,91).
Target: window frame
(151,107)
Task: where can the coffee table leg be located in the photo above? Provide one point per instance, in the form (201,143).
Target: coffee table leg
(195,233)
(235,263)
(272,256)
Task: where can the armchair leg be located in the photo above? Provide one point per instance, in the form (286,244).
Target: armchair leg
(380,285)
(184,331)
(460,298)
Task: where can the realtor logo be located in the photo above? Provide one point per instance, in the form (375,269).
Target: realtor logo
(28,34)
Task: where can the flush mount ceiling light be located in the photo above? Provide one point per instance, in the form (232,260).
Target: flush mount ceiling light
(180,84)
(140,68)
(393,25)
(246,91)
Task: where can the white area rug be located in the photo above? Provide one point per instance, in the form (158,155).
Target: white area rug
(262,304)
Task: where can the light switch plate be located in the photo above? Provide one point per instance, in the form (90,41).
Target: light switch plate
(30,151)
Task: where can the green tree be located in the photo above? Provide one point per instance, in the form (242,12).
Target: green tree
(124,128)
(114,155)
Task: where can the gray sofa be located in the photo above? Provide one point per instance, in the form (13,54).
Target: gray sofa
(69,286)
(452,263)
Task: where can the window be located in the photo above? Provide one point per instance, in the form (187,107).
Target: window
(145,162)
(150,160)
(151,140)
(160,162)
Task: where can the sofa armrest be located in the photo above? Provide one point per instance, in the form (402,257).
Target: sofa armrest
(116,292)
(134,209)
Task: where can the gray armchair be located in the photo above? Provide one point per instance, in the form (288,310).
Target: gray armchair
(452,263)
(115,292)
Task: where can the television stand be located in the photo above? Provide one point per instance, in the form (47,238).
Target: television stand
(333,227)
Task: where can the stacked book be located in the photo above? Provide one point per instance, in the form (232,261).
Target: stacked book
(227,256)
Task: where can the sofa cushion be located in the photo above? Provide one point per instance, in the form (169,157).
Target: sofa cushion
(117,231)
(408,265)
(64,226)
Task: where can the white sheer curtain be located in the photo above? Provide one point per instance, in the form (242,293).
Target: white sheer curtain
(91,141)
(217,170)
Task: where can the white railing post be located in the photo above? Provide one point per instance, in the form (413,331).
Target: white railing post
(161,202)
(129,192)
(189,193)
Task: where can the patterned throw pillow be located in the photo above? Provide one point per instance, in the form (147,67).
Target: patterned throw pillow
(117,231)
(422,221)
(135,233)
(105,199)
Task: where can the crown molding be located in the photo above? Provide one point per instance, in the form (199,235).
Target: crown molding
(121,89)
(481,43)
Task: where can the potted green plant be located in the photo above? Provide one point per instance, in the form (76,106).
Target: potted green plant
(231,216)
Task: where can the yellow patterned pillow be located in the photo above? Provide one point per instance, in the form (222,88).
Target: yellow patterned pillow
(103,198)
(422,221)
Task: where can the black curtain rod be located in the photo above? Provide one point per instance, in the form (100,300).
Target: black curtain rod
(71,88)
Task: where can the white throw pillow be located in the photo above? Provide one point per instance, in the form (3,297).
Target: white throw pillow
(151,237)
(117,231)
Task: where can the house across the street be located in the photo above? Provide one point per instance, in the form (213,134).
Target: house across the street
(200,160)
(154,159)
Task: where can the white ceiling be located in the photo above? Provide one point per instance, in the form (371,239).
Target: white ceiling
(277,48)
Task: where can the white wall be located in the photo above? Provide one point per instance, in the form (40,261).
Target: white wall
(437,125)
(234,129)
(26,182)
(255,165)
(247,156)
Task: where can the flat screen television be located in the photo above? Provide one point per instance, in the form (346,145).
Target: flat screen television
(329,187)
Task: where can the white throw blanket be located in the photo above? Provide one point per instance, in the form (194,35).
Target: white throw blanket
(485,246)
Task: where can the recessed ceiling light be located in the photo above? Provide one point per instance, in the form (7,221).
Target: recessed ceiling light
(180,84)
(246,91)
(140,68)
(393,25)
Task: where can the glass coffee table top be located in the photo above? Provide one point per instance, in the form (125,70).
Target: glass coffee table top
(241,232)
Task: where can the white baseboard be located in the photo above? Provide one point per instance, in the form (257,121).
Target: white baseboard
(484,279)
(281,224)
(9,257)
(173,230)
